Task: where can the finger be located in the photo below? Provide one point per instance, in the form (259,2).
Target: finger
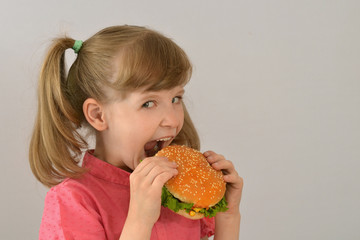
(139,176)
(226,165)
(145,166)
(234,179)
(214,157)
(162,178)
(208,153)
(158,170)
(146,161)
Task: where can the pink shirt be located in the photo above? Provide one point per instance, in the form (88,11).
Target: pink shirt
(95,206)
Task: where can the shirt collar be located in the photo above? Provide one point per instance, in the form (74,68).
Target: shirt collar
(104,170)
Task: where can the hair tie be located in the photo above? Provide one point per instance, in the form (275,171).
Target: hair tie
(77,45)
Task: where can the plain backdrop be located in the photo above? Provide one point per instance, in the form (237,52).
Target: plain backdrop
(276,89)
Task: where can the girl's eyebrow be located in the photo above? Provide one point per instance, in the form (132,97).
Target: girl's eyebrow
(153,95)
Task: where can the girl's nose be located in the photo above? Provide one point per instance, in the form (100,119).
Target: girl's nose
(171,118)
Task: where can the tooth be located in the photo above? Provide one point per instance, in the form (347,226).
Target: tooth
(164,139)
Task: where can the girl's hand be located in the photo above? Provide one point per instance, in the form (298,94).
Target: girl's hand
(234,182)
(146,184)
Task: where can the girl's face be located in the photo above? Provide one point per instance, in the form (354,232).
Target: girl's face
(139,125)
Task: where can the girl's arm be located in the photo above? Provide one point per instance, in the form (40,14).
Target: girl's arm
(227,224)
(146,184)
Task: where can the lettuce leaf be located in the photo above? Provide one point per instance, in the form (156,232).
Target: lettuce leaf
(169,201)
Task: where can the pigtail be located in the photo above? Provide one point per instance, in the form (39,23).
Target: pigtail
(55,146)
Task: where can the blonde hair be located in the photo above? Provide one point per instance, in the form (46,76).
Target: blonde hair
(141,57)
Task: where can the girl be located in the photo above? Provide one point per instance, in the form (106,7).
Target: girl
(127,85)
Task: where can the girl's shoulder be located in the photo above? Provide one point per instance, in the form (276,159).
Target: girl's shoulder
(70,190)
(71,208)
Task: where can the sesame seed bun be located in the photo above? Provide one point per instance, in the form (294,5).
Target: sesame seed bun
(197,182)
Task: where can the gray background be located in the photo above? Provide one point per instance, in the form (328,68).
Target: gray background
(275,89)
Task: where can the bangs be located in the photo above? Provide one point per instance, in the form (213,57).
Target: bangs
(153,62)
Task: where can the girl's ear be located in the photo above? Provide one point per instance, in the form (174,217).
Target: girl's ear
(94,114)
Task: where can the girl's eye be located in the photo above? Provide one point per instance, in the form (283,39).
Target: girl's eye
(148,104)
(176,99)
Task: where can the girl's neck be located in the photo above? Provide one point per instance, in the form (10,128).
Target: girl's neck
(102,153)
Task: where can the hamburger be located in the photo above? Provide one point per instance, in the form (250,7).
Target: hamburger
(198,190)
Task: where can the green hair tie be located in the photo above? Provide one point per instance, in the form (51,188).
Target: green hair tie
(77,46)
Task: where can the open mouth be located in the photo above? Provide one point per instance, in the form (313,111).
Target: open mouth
(152,147)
